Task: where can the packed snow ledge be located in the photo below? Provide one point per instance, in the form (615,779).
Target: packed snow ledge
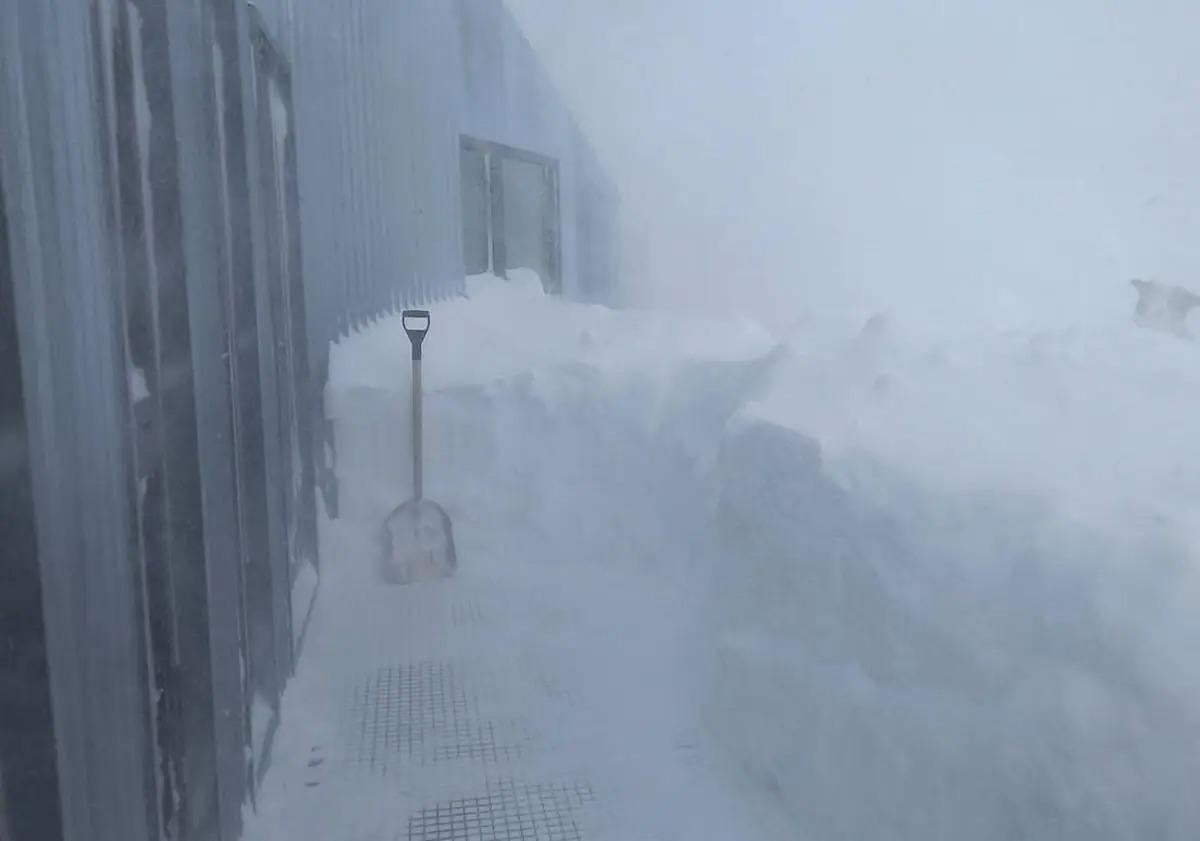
(840,584)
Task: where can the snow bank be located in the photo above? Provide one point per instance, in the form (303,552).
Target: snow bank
(1092,417)
(951,589)
(578,423)
(965,598)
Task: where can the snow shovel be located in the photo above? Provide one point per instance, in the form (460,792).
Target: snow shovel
(418,544)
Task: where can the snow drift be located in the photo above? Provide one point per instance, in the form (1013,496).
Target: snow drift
(581,425)
(964,592)
(948,591)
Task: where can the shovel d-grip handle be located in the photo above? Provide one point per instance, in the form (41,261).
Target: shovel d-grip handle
(416,325)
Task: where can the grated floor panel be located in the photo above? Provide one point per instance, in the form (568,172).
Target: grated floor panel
(507,811)
(422,714)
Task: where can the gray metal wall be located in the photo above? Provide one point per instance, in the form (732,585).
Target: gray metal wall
(66,302)
(384,90)
(29,792)
(158,305)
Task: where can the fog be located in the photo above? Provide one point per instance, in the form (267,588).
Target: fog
(960,570)
(970,164)
(853,492)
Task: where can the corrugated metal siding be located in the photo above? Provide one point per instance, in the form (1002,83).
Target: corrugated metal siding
(73,376)
(383,92)
(128,177)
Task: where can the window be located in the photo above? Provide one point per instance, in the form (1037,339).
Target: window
(476,214)
(510,212)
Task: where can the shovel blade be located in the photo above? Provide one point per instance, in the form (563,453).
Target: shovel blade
(418,544)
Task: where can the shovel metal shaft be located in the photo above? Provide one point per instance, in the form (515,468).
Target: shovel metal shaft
(417,442)
(416,325)
(417,539)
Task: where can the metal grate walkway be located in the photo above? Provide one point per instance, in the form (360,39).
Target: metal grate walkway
(507,811)
(421,715)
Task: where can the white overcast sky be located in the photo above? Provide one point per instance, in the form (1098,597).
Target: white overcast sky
(948,161)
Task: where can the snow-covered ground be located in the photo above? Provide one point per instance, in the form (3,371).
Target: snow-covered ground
(834,585)
(965,603)
(570,446)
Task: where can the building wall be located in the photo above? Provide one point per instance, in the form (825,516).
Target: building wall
(65,303)
(146,272)
(199,197)
(384,92)
(29,801)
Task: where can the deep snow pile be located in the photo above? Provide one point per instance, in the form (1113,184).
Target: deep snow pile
(965,603)
(584,425)
(571,446)
(949,590)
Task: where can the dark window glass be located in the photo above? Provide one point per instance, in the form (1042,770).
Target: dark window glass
(475,212)
(510,212)
(524,216)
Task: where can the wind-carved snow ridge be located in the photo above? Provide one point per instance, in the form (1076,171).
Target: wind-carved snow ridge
(965,588)
(854,587)
(893,656)
(579,422)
